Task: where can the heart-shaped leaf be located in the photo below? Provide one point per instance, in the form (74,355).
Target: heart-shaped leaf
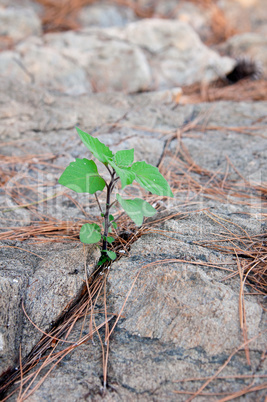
(90,233)
(111,255)
(136,209)
(82,176)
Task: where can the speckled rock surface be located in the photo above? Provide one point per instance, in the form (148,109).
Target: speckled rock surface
(19,23)
(181,302)
(46,279)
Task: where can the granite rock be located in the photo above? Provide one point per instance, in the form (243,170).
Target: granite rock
(170,45)
(105,15)
(179,302)
(143,55)
(19,23)
(47,280)
(249,45)
(181,319)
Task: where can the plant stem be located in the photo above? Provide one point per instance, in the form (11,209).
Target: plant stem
(98,203)
(110,187)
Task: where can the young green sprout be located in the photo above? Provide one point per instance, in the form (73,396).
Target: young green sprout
(82,176)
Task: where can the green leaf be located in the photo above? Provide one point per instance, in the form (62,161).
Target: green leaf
(114,224)
(109,239)
(82,176)
(90,233)
(98,149)
(112,255)
(151,179)
(136,209)
(125,174)
(111,218)
(124,158)
(103,259)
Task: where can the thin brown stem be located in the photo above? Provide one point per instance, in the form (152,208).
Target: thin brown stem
(98,203)
(110,187)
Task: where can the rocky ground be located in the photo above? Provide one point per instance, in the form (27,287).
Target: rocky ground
(181,314)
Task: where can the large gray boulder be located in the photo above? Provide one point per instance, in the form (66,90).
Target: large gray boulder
(181,318)
(143,55)
(175,289)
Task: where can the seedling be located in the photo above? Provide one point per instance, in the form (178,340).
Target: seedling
(82,176)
